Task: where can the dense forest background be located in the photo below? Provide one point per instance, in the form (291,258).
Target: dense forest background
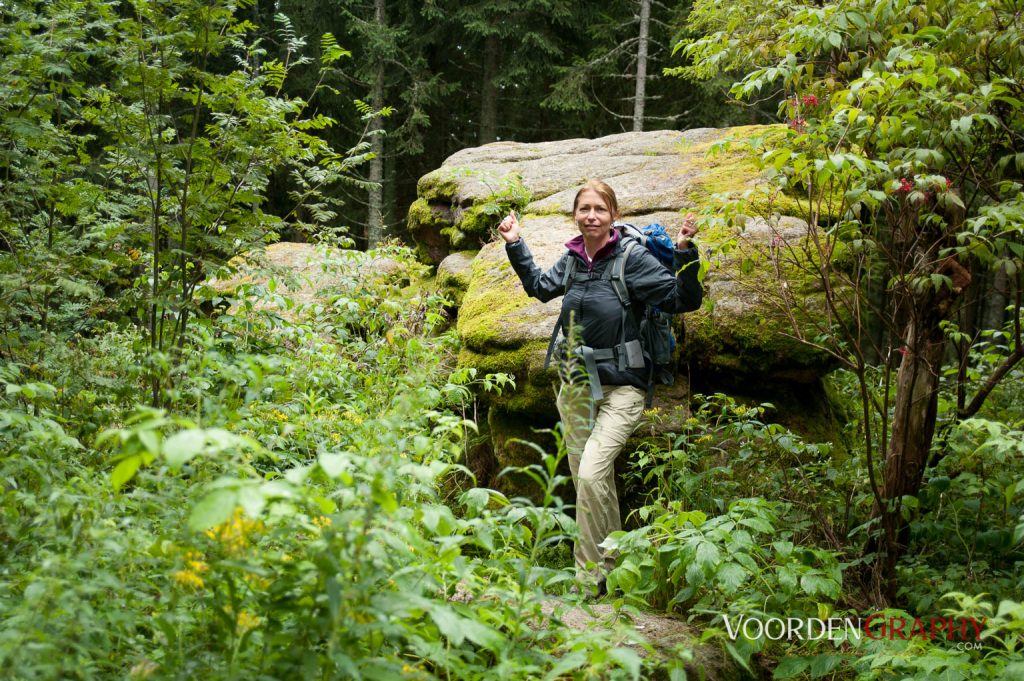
(464,74)
(204,475)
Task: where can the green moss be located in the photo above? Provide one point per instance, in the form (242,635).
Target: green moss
(729,174)
(458,280)
(732,168)
(534,394)
(479,218)
(422,253)
(456,237)
(463,227)
(509,362)
(455,284)
(441,184)
(744,343)
(494,296)
(422,214)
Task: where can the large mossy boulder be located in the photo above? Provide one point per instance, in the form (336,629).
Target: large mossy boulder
(658,176)
(742,336)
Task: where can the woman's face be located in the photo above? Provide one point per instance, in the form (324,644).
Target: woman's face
(593,217)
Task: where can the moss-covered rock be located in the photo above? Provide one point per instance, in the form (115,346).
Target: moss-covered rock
(742,334)
(427,222)
(453,275)
(519,442)
(458,207)
(765,303)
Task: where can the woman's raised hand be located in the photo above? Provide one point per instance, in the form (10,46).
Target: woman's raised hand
(508,228)
(687,231)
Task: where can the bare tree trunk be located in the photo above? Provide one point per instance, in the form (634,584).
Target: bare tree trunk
(994,313)
(641,67)
(913,426)
(918,315)
(375,215)
(488,93)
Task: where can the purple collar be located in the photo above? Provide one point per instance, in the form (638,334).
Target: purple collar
(575,245)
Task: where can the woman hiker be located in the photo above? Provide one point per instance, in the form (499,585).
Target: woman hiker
(597,420)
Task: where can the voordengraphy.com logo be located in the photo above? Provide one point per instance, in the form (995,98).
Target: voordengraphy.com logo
(878,627)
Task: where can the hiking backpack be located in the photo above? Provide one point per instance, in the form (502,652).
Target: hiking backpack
(656,338)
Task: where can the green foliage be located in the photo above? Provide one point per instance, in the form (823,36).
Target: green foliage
(739,564)
(899,138)
(139,147)
(287,516)
(721,449)
(973,503)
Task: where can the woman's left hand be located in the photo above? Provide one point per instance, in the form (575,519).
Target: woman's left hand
(687,231)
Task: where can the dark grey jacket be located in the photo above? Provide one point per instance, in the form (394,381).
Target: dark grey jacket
(594,306)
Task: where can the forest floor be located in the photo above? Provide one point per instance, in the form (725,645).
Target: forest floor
(666,634)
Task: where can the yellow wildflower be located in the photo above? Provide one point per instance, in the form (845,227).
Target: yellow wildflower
(256,582)
(335,438)
(247,622)
(353,417)
(233,534)
(322,521)
(195,563)
(187,578)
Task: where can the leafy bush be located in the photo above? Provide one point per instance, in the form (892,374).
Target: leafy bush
(285,519)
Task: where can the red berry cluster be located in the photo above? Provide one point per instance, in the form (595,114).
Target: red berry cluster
(810,100)
(906,185)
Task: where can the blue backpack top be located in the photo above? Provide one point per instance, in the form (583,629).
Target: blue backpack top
(655,239)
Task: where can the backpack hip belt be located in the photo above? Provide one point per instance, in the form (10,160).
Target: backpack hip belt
(630,355)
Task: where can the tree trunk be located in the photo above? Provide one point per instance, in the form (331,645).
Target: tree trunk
(918,314)
(375,212)
(641,67)
(915,410)
(489,93)
(998,295)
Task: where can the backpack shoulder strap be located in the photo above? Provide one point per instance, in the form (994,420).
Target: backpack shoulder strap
(569,274)
(616,272)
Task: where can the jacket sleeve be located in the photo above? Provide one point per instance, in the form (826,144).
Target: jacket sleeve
(650,283)
(540,285)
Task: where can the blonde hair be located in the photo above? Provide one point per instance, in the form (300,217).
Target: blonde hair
(604,191)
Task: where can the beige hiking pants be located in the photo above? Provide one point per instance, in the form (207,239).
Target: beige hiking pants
(592,454)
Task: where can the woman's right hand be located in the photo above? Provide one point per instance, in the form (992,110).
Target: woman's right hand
(508,228)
